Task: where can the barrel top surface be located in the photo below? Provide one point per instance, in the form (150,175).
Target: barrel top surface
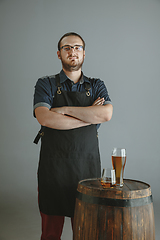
(131,188)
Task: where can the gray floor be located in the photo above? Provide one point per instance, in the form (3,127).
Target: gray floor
(20,220)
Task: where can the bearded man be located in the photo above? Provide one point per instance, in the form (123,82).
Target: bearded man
(70,107)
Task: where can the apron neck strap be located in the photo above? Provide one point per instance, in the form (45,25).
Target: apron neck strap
(58,80)
(58,84)
(87,87)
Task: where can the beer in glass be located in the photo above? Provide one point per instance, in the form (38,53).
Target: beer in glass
(118,163)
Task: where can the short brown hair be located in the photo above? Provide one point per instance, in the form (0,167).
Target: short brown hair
(71,34)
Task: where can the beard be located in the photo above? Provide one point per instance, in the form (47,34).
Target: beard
(73,65)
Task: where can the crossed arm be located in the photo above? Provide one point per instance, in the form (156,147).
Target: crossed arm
(67,117)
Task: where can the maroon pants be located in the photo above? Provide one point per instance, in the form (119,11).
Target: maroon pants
(52,227)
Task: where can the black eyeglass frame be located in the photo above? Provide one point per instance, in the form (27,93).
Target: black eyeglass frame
(70,47)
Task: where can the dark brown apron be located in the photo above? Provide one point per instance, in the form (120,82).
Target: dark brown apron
(66,157)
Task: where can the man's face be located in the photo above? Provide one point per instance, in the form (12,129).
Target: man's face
(72,60)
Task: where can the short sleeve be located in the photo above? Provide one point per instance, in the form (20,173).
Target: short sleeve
(101,91)
(42,94)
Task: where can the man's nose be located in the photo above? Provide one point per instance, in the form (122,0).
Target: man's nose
(72,49)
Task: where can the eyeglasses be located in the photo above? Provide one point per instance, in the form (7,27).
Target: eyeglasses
(68,48)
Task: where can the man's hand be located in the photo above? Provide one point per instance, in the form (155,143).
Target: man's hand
(98,101)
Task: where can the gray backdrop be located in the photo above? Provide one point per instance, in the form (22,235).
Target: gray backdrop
(122,48)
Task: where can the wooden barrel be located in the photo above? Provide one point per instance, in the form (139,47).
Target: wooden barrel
(114,213)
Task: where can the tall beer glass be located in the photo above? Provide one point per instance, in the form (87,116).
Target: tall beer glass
(118,163)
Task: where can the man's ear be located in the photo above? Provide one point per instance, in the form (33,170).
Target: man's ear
(59,54)
(84,53)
